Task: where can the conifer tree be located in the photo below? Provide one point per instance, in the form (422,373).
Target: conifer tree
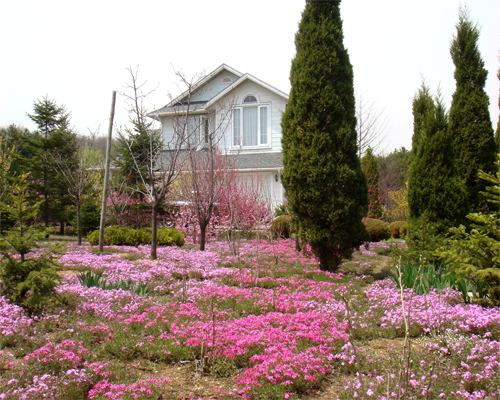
(326,189)
(369,165)
(497,133)
(470,121)
(435,193)
(53,135)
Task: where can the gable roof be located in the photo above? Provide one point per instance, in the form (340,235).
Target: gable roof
(201,106)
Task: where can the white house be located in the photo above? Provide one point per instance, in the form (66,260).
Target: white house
(248,113)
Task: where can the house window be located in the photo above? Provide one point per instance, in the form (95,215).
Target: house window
(250,123)
(197,131)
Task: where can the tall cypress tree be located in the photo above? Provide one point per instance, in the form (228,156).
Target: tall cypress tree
(497,133)
(435,192)
(369,166)
(326,189)
(470,121)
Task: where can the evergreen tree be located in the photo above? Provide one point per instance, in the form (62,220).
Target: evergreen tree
(326,189)
(369,165)
(435,193)
(53,136)
(133,152)
(470,121)
(497,134)
(26,278)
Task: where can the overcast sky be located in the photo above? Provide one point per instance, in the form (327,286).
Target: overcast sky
(76,53)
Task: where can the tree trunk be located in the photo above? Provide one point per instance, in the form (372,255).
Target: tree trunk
(154,240)
(61,229)
(203,234)
(78,224)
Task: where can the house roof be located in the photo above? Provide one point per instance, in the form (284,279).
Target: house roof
(245,161)
(179,103)
(256,161)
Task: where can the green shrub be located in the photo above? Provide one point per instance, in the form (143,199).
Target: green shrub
(474,254)
(90,215)
(377,229)
(398,229)
(93,238)
(123,236)
(170,237)
(28,280)
(280,226)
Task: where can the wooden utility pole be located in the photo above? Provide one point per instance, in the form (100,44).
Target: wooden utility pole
(106,174)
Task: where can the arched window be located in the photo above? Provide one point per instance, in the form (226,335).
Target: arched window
(250,99)
(251,123)
(226,80)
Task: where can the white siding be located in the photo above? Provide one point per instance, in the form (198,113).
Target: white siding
(213,87)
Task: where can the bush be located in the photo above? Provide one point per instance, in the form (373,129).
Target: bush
(280,226)
(90,215)
(26,278)
(398,229)
(377,229)
(123,236)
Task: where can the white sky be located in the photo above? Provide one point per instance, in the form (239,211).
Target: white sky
(76,53)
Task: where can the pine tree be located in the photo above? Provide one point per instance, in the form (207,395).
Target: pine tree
(326,189)
(369,166)
(54,135)
(434,190)
(26,278)
(470,121)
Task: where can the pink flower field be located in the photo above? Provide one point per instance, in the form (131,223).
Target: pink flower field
(253,320)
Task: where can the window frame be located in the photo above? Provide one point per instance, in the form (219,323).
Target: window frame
(201,130)
(259,106)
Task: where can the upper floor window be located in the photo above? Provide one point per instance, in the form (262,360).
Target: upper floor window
(250,123)
(193,131)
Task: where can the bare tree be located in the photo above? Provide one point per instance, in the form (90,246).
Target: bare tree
(79,175)
(372,126)
(208,170)
(156,162)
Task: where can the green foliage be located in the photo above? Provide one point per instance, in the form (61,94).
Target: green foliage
(369,165)
(54,135)
(28,280)
(124,236)
(377,229)
(475,254)
(326,189)
(97,279)
(282,209)
(136,149)
(280,226)
(90,215)
(423,238)
(434,190)
(398,229)
(423,278)
(470,122)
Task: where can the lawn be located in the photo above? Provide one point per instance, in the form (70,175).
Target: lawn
(251,319)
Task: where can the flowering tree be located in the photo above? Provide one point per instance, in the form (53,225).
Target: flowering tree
(240,207)
(203,186)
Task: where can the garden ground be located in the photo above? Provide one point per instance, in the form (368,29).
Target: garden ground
(252,319)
